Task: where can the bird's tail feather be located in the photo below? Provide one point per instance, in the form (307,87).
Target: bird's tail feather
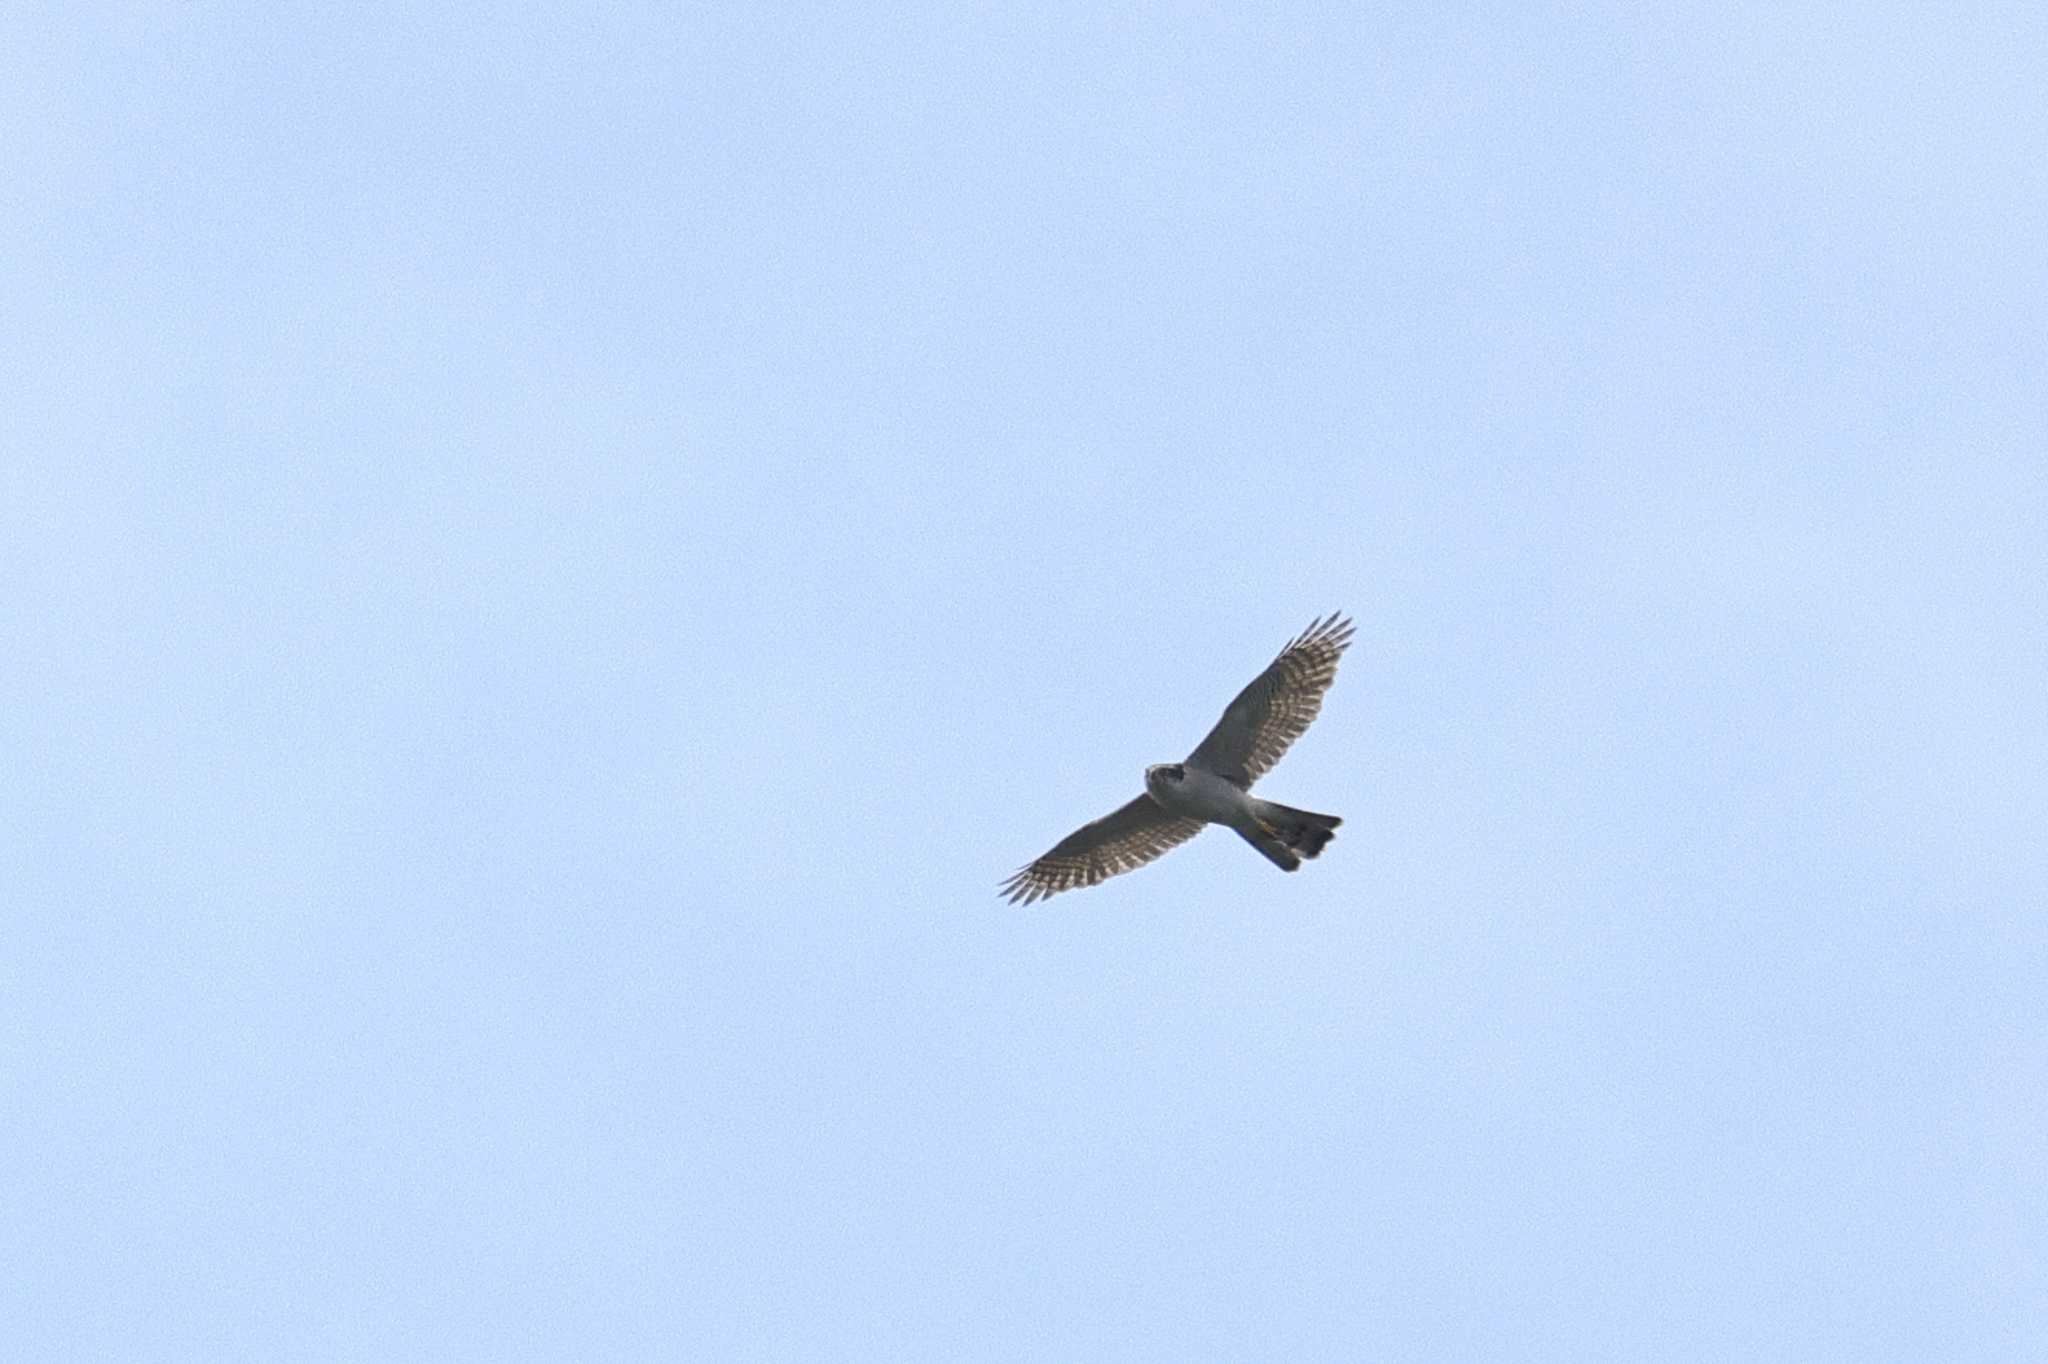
(1275,851)
(1297,833)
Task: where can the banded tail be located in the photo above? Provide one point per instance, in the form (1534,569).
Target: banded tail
(1287,835)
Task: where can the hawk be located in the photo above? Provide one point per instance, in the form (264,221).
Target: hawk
(1213,784)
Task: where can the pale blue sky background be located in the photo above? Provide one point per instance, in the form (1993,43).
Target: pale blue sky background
(553,560)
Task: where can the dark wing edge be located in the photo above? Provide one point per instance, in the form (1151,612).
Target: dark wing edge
(1127,837)
(1278,705)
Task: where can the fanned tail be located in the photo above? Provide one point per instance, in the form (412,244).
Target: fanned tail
(1289,835)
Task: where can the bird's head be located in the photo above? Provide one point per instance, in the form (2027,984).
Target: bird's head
(1160,776)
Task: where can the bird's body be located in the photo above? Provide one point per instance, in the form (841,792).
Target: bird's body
(1190,791)
(1284,834)
(1213,784)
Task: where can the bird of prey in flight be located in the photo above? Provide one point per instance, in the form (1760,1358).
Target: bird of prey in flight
(1213,784)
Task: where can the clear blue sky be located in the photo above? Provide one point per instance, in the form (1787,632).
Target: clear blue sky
(553,560)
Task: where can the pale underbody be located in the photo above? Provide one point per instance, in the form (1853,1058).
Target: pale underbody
(1282,834)
(1204,796)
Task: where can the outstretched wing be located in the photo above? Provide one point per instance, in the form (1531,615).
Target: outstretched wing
(1277,707)
(1127,837)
